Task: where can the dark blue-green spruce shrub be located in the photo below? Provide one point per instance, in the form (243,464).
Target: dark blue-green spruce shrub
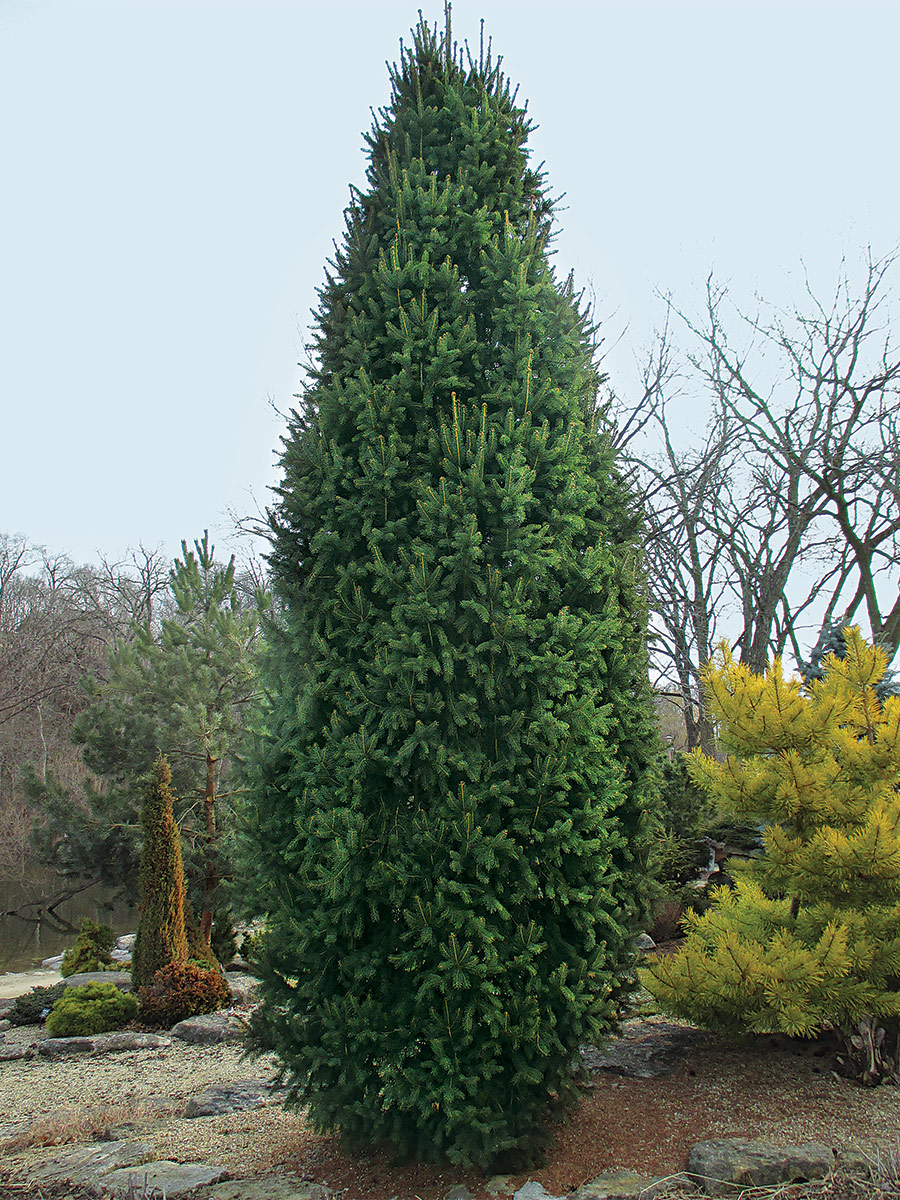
(448,808)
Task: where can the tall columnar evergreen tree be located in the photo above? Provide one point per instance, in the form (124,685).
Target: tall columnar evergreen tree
(448,805)
(161,937)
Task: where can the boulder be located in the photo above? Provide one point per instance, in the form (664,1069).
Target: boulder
(128,1039)
(620,1185)
(499,1185)
(162,1178)
(122,979)
(532,1190)
(271,1188)
(724,1166)
(5,1005)
(644,942)
(53,963)
(853,1161)
(208,1029)
(646,1050)
(243,986)
(459,1191)
(59,1047)
(126,942)
(242,1096)
(11,1053)
(85,1164)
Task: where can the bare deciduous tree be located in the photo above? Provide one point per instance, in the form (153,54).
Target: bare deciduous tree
(787,512)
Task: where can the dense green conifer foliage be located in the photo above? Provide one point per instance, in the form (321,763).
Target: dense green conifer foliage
(448,806)
(161,937)
(810,937)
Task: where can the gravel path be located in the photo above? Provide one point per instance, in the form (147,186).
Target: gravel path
(18,983)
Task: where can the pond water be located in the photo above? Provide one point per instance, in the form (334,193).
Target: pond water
(33,934)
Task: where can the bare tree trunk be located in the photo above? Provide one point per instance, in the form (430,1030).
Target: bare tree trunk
(211,879)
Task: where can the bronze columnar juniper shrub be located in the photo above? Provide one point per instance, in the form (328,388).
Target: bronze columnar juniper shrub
(161,935)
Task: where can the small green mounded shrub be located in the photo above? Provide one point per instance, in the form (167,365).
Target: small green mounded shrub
(91,951)
(31,1008)
(93,1008)
(182,990)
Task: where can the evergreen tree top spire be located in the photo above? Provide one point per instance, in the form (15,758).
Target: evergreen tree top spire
(451,790)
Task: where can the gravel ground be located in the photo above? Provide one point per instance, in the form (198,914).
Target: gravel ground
(714,1088)
(150,1087)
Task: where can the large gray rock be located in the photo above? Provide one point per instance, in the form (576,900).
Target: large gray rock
(242,1096)
(532,1190)
(620,1185)
(646,1049)
(53,963)
(126,942)
(122,979)
(273,1188)
(725,1165)
(11,1053)
(5,1005)
(208,1029)
(459,1191)
(162,1178)
(52,1047)
(128,1039)
(243,986)
(85,1164)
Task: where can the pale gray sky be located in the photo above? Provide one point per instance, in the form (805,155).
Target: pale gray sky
(174,174)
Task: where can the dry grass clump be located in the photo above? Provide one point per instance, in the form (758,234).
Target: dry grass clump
(90,1123)
(880,1182)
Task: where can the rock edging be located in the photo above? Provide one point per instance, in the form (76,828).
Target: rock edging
(718,1167)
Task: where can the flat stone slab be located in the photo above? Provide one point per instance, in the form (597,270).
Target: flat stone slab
(122,979)
(273,1188)
(208,1029)
(646,1050)
(128,1039)
(243,986)
(11,1053)
(723,1166)
(532,1190)
(162,1178)
(85,1164)
(242,1096)
(620,1185)
(52,1047)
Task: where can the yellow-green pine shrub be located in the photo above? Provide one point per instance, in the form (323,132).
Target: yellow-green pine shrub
(93,1008)
(810,937)
(161,937)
